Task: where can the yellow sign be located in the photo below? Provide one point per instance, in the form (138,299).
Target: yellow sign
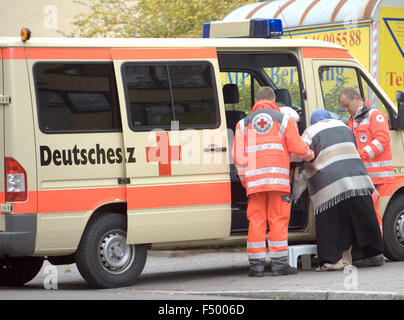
(356,38)
(396,28)
(391,57)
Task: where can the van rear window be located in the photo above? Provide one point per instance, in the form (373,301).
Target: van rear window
(158,94)
(76,97)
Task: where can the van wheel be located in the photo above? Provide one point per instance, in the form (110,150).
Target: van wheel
(104,259)
(18,271)
(393,230)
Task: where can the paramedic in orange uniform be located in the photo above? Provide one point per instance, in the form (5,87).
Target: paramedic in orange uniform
(372,133)
(262,143)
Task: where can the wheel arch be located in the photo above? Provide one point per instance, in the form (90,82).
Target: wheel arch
(393,227)
(397,193)
(111,207)
(389,192)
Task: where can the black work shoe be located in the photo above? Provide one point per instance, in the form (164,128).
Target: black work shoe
(257,267)
(253,273)
(288,270)
(374,261)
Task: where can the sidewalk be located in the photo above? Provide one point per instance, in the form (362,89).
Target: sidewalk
(223,273)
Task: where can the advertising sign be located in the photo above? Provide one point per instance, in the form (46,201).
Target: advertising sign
(391,55)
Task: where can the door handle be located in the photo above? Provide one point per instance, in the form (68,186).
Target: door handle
(214,148)
(123,180)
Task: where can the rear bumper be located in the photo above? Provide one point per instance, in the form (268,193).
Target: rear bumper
(19,237)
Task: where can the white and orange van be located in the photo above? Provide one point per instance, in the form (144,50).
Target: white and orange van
(115,146)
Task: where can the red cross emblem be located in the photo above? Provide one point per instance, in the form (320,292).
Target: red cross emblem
(163,153)
(262,123)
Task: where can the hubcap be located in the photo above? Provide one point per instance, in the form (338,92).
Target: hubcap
(115,255)
(400,228)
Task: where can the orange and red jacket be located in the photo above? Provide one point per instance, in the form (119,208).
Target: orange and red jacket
(262,143)
(372,133)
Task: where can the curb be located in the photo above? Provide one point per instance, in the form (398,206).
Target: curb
(186,253)
(290,295)
(308,295)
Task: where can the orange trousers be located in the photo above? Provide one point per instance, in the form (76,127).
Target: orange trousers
(376,201)
(272,208)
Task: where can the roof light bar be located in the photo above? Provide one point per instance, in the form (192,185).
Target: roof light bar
(254,28)
(266,28)
(206,30)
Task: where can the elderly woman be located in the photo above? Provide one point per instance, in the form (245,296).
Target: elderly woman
(341,193)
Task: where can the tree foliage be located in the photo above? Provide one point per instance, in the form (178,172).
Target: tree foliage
(150,18)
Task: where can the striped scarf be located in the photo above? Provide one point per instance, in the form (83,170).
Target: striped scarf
(337,173)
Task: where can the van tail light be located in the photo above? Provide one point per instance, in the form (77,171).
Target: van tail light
(16,181)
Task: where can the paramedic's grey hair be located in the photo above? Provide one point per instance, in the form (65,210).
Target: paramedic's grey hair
(350,93)
(265,93)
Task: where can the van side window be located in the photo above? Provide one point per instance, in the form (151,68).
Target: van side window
(247,87)
(158,94)
(76,97)
(334,79)
(286,78)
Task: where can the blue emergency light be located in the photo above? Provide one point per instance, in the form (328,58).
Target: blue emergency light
(258,28)
(206,30)
(266,28)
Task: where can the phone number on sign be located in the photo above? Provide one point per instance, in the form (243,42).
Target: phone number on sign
(344,38)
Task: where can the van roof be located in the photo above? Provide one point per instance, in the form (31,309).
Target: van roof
(222,43)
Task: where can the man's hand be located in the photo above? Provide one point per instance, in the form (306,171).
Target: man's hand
(364,155)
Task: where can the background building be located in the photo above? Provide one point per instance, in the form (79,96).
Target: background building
(45,18)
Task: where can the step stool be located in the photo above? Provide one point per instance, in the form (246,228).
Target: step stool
(303,250)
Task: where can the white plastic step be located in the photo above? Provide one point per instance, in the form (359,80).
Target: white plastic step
(303,250)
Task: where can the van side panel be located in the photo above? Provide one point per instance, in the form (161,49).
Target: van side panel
(78,171)
(2,182)
(179,186)
(20,225)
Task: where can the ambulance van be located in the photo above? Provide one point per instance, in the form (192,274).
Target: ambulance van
(113,147)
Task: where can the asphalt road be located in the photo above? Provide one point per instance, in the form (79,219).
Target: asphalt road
(216,275)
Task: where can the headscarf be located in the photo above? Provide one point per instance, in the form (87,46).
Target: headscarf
(318,115)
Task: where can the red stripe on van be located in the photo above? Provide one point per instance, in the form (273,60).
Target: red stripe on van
(72,200)
(108,53)
(325,53)
(2,197)
(163,54)
(75,200)
(58,53)
(179,195)
(13,53)
(69,53)
(29,206)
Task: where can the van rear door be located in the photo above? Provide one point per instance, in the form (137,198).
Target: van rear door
(177,173)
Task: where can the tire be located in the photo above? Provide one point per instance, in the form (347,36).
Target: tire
(18,271)
(104,259)
(393,230)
